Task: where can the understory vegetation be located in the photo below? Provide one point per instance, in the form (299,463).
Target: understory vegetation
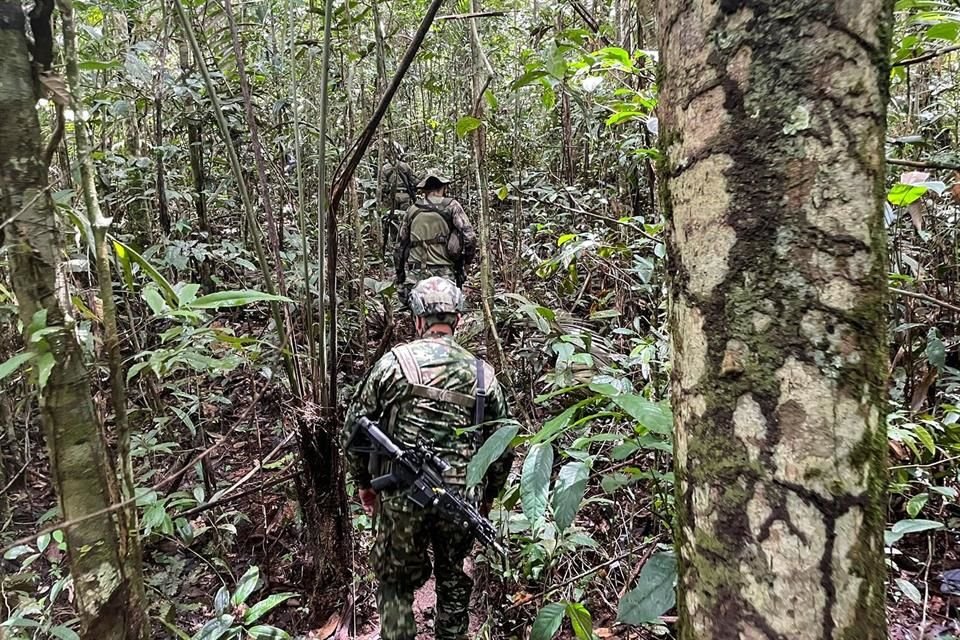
(251,298)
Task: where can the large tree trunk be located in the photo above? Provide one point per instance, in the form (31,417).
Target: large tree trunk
(772,123)
(78,455)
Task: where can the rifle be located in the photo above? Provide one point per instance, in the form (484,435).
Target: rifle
(419,472)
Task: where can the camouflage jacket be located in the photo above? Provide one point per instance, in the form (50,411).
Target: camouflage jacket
(417,241)
(387,397)
(397,186)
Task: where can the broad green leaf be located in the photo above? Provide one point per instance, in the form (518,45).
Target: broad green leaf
(916,504)
(45,364)
(12,364)
(616,55)
(936,351)
(239,298)
(580,620)
(266,632)
(125,267)
(528,78)
(548,621)
(925,438)
(187,293)
(215,629)
(154,300)
(245,586)
(489,452)
(944,31)
(17,551)
(502,193)
(221,600)
(20,622)
(909,590)
(64,633)
(902,194)
(654,594)
(568,492)
(655,416)
(903,527)
(555,425)
(466,124)
(168,293)
(623,116)
(535,480)
(265,606)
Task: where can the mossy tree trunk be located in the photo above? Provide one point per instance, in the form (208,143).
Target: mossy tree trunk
(772,121)
(79,461)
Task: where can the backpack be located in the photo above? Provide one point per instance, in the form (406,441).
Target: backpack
(450,238)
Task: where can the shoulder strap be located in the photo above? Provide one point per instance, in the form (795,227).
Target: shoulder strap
(411,371)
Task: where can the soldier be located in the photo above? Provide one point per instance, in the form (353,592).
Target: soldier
(436,238)
(397,192)
(428,390)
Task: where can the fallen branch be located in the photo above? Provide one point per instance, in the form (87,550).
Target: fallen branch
(926,298)
(924,164)
(926,56)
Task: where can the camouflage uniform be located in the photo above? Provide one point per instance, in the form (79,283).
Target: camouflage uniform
(436,239)
(404,531)
(397,192)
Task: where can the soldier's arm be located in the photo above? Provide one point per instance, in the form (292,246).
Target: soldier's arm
(402,251)
(368,401)
(467,232)
(498,414)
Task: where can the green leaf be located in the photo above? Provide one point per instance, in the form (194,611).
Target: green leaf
(903,527)
(623,116)
(654,594)
(916,504)
(502,193)
(168,293)
(489,452)
(45,364)
(265,606)
(528,78)
(187,293)
(906,588)
(944,31)
(580,620)
(466,124)
(902,194)
(12,364)
(548,621)
(154,300)
(64,633)
(535,480)
(555,425)
(239,298)
(215,629)
(245,586)
(266,632)
(936,351)
(656,417)
(17,551)
(221,600)
(568,492)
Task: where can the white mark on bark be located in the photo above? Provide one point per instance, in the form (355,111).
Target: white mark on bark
(749,425)
(820,426)
(700,207)
(788,595)
(690,346)
(849,533)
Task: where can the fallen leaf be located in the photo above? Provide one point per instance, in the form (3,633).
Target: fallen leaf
(916,215)
(327,630)
(56,87)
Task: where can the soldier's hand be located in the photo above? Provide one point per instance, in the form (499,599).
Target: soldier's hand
(368,498)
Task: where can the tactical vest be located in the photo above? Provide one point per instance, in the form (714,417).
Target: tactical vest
(433,237)
(464,404)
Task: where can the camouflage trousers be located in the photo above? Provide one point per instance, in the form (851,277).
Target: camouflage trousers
(399,557)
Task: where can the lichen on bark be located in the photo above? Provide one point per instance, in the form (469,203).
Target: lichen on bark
(772,118)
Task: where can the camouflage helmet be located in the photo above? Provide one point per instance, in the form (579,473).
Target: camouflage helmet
(436,296)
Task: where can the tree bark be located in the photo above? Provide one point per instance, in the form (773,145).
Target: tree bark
(772,123)
(77,451)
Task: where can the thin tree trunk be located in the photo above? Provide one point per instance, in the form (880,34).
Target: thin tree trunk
(130,546)
(772,126)
(105,597)
(195,140)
